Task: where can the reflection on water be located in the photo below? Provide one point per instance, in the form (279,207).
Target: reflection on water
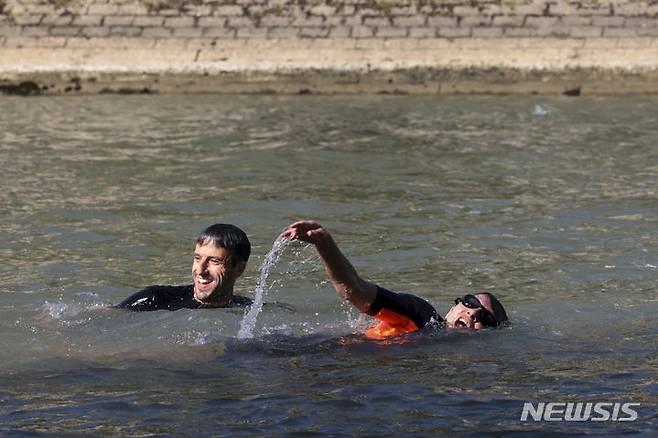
(549,202)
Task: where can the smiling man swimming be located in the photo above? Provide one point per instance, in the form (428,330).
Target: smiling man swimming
(220,257)
(397,313)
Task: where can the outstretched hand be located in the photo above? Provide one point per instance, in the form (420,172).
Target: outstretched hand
(306,231)
(360,293)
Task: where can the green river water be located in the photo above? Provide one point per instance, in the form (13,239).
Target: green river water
(551,203)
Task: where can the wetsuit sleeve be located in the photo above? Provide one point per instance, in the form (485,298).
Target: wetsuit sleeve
(400,309)
(241,301)
(149,298)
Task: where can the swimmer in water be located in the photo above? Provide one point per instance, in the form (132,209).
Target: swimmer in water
(220,257)
(398,313)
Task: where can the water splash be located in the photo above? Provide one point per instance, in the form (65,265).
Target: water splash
(540,110)
(59,310)
(249,321)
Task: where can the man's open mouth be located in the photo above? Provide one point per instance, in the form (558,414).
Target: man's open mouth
(204,281)
(461,322)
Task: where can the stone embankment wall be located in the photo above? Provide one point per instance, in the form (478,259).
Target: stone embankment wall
(425,46)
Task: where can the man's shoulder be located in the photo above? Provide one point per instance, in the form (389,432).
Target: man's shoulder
(157,297)
(169,289)
(167,292)
(414,307)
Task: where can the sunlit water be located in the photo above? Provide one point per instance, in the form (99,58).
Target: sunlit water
(550,202)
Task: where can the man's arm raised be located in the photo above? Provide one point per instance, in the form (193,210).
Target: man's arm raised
(360,293)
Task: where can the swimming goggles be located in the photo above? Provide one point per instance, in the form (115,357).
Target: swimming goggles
(472,302)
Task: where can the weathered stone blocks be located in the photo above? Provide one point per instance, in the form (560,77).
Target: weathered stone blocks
(229,11)
(188,32)
(27,20)
(149,21)
(87,20)
(314,32)
(283,32)
(219,32)
(176,22)
(119,20)
(362,21)
(487,32)
(65,31)
(157,32)
(454,32)
(412,21)
(99,31)
(422,32)
(102,9)
(391,32)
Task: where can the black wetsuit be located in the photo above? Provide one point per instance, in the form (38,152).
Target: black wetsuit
(400,313)
(171,298)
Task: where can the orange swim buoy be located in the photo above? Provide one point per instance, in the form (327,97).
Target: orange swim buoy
(390,324)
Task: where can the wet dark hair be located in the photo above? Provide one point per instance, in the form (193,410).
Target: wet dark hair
(498,309)
(227,236)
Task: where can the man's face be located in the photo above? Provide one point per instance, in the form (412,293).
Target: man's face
(214,272)
(460,316)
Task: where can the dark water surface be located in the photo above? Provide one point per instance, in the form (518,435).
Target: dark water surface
(550,202)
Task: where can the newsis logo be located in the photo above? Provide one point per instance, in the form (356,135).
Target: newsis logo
(590,411)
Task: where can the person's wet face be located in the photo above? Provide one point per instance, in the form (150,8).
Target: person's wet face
(471,311)
(214,272)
